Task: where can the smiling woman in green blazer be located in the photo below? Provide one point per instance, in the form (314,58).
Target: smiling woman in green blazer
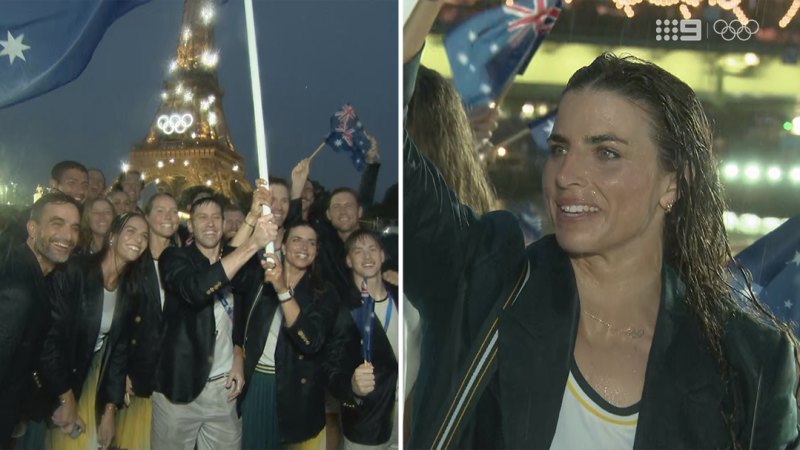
(618,331)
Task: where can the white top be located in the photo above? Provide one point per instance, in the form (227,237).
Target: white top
(109,304)
(393,331)
(587,420)
(160,285)
(223,346)
(268,355)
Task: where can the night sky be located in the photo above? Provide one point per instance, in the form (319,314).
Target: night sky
(314,56)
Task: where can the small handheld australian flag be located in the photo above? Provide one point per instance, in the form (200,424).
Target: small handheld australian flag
(486,51)
(348,135)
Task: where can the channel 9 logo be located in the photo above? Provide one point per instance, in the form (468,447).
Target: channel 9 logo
(688,30)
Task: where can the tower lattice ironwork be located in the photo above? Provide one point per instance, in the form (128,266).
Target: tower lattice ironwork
(188,143)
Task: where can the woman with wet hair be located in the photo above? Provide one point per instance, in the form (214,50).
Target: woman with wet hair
(618,331)
(146,326)
(438,124)
(95,223)
(84,354)
(284,328)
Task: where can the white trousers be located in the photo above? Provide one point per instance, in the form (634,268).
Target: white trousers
(210,421)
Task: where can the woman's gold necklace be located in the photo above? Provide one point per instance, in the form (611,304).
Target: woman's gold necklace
(633,333)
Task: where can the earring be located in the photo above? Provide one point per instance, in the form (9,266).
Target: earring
(111,242)
(668,208)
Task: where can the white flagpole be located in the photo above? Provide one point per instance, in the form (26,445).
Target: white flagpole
(258,110)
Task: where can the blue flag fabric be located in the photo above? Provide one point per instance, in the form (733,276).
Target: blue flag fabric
(46,44)
(348,135)
(364,318)
(489,49)
(541,128)
(774,261)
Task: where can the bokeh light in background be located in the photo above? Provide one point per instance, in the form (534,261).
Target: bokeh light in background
(748,87)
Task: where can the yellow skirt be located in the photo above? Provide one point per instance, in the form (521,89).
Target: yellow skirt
(316,443)
(55,439)
(133,424)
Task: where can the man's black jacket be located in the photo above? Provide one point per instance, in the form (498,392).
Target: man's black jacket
(365,420)
(24,320)
(191,285)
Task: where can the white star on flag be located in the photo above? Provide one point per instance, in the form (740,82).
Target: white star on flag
(788,304)
(463,59)
(486,89)
(795,261)
(14,48)
(337,142)
(472,68)
(472,35)
(494,48)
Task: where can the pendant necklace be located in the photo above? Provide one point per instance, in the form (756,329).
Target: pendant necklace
(633,333)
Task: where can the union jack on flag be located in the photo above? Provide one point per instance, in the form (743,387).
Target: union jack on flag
(531,17)
(348,135)
(347,113)
(486,51)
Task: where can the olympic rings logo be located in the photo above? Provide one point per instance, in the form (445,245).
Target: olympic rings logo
(735,29)
(174,123)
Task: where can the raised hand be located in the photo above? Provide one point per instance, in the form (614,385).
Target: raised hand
(299,176)
(273,272)
(391,276)
(373,157)
(261,196)
(483,120)
(265,231)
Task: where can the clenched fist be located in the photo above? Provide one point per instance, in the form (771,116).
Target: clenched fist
(363,380)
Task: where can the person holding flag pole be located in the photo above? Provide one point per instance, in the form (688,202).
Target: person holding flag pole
(287,318)
(258,110)
(285,323)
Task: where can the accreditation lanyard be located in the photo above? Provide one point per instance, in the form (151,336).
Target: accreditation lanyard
(224,302)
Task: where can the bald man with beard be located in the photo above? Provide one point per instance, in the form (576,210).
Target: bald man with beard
(25,311)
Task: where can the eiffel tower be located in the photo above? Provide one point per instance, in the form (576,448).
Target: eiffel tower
(188,143)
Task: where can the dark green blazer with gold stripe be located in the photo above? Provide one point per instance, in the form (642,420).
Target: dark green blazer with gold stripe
(499,323)
(499,327)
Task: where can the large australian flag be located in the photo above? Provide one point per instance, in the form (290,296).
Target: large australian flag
(46,44)
(348,135)
(489,49)
(774,261)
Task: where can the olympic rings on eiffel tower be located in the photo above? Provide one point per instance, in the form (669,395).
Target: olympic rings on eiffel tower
(174,123)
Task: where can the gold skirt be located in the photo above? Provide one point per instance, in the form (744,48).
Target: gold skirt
(316,443)
(55,439)
(133,424)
